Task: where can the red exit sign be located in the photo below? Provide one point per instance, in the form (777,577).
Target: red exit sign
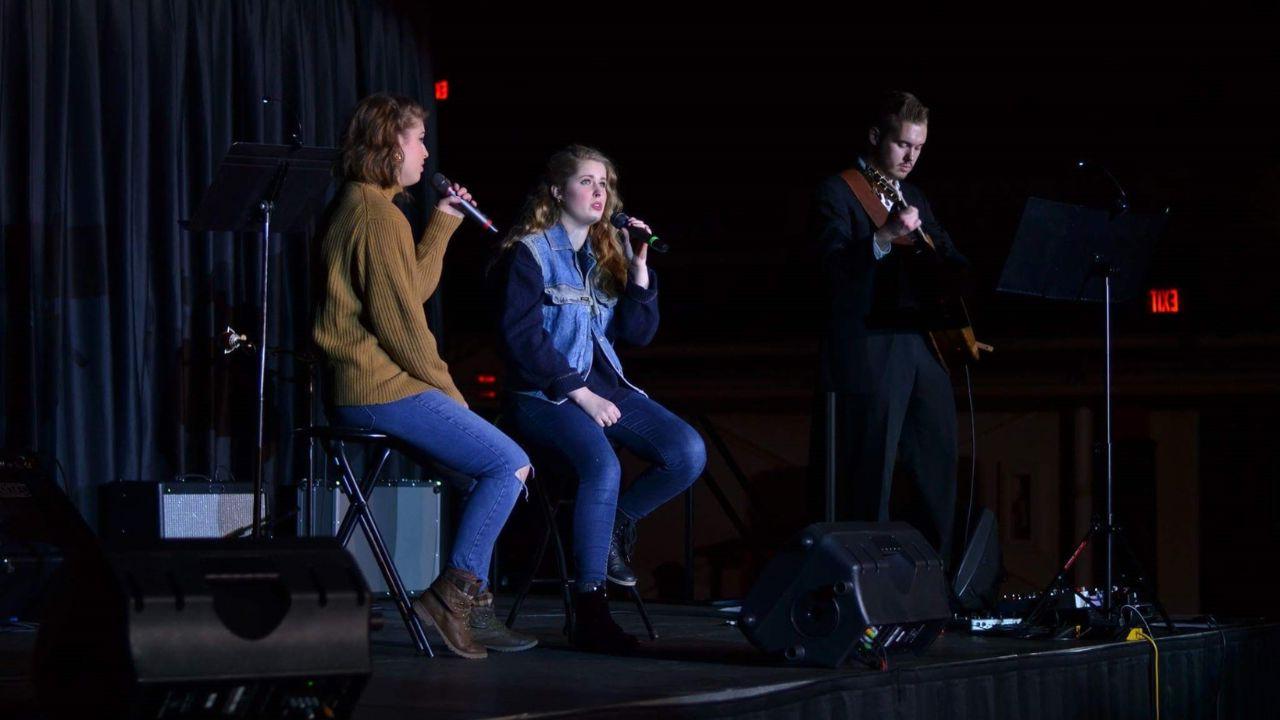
(442,90)
(1164,301)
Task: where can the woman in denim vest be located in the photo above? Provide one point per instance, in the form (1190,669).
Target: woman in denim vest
(571,287)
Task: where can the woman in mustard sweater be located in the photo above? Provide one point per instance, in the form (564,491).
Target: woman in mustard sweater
(387,374)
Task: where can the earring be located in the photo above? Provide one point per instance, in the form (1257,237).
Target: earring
(399,157)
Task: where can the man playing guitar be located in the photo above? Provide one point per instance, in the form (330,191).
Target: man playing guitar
(888,268)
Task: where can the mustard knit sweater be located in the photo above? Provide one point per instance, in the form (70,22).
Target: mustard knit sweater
(370,323)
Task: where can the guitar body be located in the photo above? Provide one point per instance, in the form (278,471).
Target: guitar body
(957,346)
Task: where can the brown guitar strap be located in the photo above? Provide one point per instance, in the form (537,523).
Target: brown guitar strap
(869,200)
(867,197)
(879,214)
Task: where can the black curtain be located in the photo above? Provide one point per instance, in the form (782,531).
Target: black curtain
(115,116)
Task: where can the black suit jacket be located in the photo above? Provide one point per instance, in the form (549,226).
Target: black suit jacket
(869,300)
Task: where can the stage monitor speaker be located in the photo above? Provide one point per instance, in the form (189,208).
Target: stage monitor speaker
(843,590)
(208,628)
(182,629)
(978,577)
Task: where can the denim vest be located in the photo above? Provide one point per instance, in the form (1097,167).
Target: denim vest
(575,311)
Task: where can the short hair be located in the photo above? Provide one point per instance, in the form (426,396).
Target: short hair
(897,107)
(371,144)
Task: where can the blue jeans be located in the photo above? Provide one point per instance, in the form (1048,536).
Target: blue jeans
(646,428)
(444,431)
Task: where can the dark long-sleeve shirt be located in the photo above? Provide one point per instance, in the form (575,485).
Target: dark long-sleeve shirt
(533,361)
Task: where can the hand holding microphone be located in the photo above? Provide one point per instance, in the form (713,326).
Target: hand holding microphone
(623,221)
(454,197)
(639,273)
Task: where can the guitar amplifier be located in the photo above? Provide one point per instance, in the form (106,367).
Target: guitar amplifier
(140,511)
(408,514)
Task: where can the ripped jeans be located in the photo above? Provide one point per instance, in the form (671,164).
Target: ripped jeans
(435,425)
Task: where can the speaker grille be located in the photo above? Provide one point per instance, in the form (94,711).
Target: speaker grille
(190,515)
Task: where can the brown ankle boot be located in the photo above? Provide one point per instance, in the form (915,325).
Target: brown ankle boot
(447,605)
(491,632)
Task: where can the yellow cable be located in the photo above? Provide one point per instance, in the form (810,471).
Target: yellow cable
(1140,634)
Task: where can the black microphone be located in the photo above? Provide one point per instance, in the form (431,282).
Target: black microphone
(295,138)
(620,220)
(444,187)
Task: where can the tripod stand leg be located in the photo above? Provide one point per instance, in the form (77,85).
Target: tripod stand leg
(1046,595)
(1143,584)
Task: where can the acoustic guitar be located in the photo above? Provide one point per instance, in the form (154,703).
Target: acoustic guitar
(954,343)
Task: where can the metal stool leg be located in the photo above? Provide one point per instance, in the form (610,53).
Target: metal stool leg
(359,512)
(348,525)
(644,614)
(533,572)
(562,565)
(550,534)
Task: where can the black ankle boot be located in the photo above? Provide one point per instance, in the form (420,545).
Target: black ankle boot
(621,544)
(594,629)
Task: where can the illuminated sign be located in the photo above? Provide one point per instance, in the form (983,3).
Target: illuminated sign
(1164,301)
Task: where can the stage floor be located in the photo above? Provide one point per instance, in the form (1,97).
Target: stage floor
(702,667)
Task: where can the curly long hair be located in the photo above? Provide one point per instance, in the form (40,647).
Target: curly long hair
(371,144)
(541,212)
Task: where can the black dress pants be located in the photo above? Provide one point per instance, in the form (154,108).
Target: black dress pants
(904,422)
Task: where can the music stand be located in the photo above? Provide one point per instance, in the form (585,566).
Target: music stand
(1083,254)
(264,188)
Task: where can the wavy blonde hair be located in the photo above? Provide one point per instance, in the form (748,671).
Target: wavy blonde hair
(541,212)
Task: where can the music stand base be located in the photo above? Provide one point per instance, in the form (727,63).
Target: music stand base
(1108,620)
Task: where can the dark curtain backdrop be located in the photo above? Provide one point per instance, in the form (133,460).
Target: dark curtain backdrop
(115,116)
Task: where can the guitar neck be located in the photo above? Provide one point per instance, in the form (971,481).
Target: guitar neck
(890,191)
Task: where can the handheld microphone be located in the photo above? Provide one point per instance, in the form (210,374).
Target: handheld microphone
(620,220)
(444,187)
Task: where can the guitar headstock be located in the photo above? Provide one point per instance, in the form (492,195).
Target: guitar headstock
(883,186)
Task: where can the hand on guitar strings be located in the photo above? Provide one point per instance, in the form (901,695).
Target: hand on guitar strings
(900,226)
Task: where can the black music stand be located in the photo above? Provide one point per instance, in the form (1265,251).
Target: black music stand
(1083,254)
(264,188)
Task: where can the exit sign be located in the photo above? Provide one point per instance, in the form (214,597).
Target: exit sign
(442,90)
(1164,301)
